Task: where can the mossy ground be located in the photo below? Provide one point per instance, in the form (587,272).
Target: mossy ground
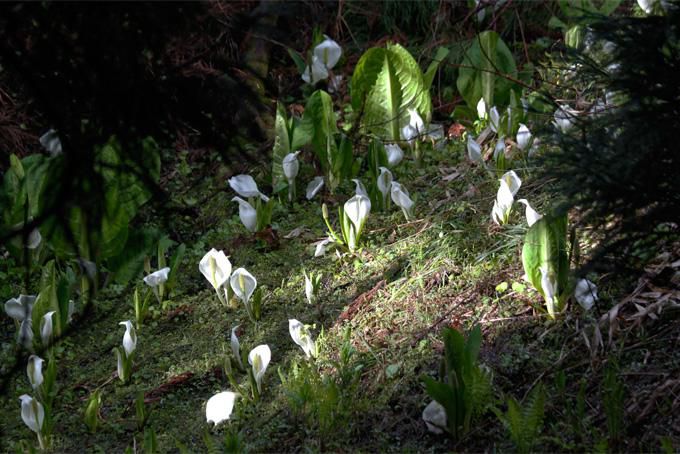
(391,301)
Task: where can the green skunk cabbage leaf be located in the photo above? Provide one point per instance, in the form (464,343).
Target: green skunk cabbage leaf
(281,144)
(53,296)
(386,82)
(545,245)
(289,135)
(478,76)
(319,113)
(125,189)
(439,57)
(129,263)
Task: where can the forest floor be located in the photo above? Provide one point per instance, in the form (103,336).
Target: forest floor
(377,323)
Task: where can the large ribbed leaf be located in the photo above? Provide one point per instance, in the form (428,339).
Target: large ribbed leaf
(383,108)
(545,245)
(386,82)
(290,135)
(319,113)
(479,76)
(439,57)
(365,74)
(281,145)
(415,94)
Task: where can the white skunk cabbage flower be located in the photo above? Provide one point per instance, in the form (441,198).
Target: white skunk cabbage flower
(259,358)
(512,180)
(157,277)
(394,154)
(402,199)
(481,109)
(129,338)
(34,239)
(247,214)
(51,142)
(435,132)
(291,167)
(34,371)
(235,345)
(503,204)
(328,52)
(384,183)
(215,267)
(474,149)
(25,336)
(314,187)
(219,407)
(523,137)
(46,327)
(585,294)
(434,416)
(532,215)
(494,119)
(32,412)
(245,186)
(499,148)
(482,11)
(414,127)
(320,249)
(309,289)
(334,84)
(564,118)
(315,72)
(550,291)
(20,308)
(535,146)
(647,5)
(357,210)
(325,56)
(243,284)
(301,336)
(360,189)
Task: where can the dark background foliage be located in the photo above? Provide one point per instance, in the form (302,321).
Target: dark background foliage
(131,70)
(621,169)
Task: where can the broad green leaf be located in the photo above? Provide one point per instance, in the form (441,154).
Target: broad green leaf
(301,133)
(545,245)
(609,6)
(48,300)
(574,36)
(114,225)
(482,71)
(281,144)
(445,396)
(129,264)
(474,342)
(439,57)
(488,42)
(414,93)
(297,59)
(385,101)
(377,157)
(290,134)
(386,82)
(365,74)
(555,22)
(15,165)
(319,111)
(175,261)
(454,348)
